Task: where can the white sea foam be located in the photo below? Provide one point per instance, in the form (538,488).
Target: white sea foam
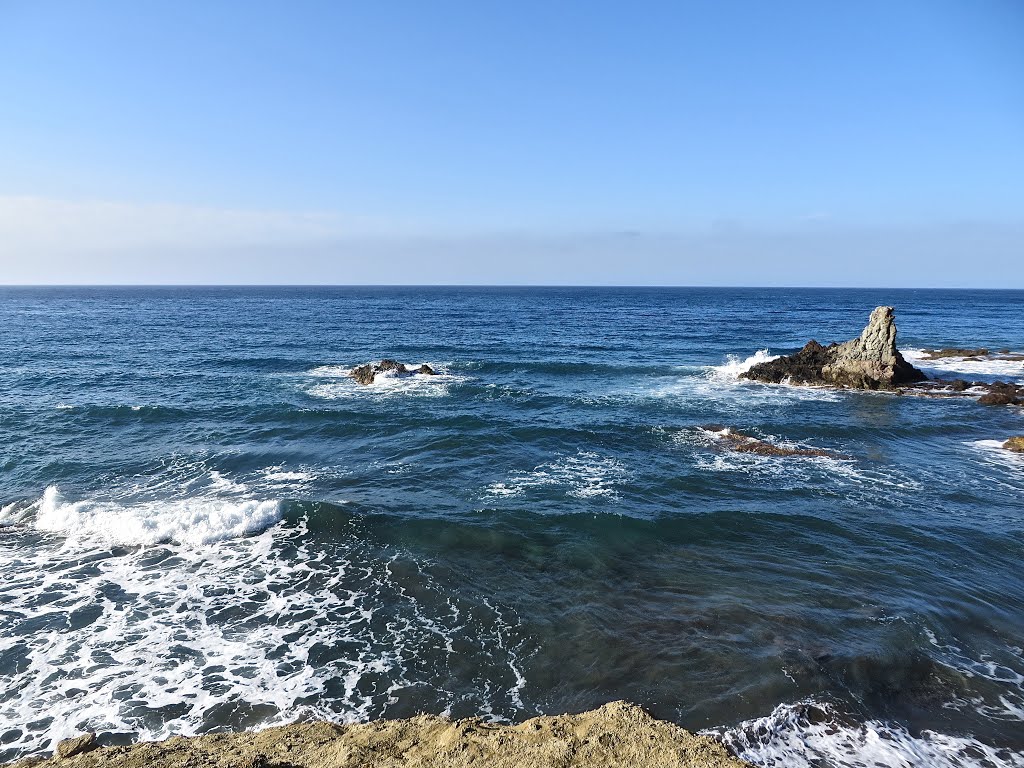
(583,476)
(965,367)
(722,385)
(790,738)
(734,366)
(996,467)
(834,475)
(993,451)
(334,382)
(163,640)
(184,521)
(278,476)
(1001,665)
(9,514)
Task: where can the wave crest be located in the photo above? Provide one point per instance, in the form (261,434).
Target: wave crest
(188,521)
(809,734)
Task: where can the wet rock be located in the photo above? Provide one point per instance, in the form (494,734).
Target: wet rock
(366,374)
(870,361)
(741,443)
(1002,393)
(936,354)
(76,746)
(363,374)
(974,355)
(1015,444)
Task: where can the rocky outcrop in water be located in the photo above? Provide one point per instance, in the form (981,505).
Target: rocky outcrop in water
(1015,444)
(870,361)
(366,374)
(1002,393)
(738,442)
(618,735)
(973,355)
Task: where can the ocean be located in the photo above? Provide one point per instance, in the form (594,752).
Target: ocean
(206,525)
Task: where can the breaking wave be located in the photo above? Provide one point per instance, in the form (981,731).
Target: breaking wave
(815,735)
(187,521)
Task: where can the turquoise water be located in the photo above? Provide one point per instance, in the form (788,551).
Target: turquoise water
(206,524)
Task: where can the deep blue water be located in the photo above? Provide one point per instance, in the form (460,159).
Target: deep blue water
(206,524)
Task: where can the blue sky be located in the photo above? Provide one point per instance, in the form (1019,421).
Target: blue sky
(734,142)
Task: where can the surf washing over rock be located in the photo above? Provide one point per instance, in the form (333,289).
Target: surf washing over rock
(870,361)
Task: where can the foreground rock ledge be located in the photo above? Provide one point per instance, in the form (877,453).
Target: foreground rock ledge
(870,361)
(617,734)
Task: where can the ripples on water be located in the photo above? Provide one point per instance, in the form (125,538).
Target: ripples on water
(205,524)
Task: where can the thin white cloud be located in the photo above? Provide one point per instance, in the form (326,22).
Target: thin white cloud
(38,225)
(46,241)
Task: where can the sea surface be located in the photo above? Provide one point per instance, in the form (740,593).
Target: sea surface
(205,524)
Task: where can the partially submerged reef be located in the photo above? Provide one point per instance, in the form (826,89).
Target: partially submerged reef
(974,355)
(738,442)
(873,362)
(368,373)
(1015,444)
(617,735)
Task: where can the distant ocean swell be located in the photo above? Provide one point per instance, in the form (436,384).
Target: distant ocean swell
(194,541)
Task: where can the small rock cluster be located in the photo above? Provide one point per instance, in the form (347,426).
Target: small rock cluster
(365,374)
(995,393)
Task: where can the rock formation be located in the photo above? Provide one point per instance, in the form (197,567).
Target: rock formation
(1015,444)
(618,735)
(868,362)
(76,746)
(365,374)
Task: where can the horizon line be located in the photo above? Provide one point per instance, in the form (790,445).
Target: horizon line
(512,285)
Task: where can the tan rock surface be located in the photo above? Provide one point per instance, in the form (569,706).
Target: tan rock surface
(616,735)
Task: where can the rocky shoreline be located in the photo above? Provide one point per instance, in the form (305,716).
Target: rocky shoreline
(616,735)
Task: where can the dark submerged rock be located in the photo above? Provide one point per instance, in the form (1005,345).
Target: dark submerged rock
(1002,393)
(870,361)
(742,443)
(936,354)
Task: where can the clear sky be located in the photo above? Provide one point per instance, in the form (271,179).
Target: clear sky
(737,142)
